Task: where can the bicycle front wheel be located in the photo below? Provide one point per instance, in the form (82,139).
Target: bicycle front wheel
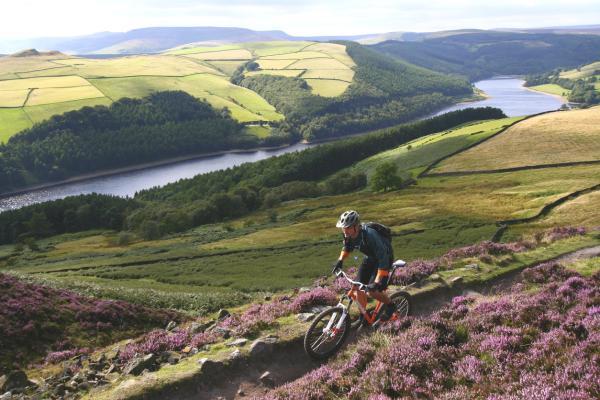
(403,303)
(323,338)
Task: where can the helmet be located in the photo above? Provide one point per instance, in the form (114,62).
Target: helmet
(347,219)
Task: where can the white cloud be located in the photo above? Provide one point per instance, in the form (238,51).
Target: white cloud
(31,18)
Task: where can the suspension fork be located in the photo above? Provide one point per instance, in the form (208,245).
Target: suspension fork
(343,317)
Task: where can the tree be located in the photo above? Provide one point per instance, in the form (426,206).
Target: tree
(38,225)
(386,177)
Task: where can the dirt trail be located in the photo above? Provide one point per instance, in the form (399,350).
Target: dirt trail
(290,362)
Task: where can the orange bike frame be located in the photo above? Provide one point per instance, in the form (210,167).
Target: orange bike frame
(360,297)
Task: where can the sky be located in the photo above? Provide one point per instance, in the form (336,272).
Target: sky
(43,18)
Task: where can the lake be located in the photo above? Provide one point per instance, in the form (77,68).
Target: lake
(506,93)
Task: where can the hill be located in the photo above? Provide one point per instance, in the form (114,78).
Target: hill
(439,224)
(479,55)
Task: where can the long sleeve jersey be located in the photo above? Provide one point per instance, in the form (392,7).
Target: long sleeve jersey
(372,244)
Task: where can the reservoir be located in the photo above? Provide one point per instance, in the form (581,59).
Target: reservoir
(506,93)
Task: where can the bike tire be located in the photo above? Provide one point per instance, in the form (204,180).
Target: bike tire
(315,333)
(403,302)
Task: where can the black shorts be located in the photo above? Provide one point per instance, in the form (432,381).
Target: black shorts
(367,272)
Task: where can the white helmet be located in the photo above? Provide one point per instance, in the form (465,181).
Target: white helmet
(347,219)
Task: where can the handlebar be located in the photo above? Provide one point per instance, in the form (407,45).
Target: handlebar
(361,286)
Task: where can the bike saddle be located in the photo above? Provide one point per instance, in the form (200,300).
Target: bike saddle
(399,264)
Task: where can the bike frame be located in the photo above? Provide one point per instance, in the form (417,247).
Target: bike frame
(358,294)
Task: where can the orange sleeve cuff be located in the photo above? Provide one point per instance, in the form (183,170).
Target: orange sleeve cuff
(344,254)
(381,273)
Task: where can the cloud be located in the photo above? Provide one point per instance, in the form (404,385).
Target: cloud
(30,18)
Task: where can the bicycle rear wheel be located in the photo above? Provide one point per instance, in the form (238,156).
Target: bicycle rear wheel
(403,303)
(322,338)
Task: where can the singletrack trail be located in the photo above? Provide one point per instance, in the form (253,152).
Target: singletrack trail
(290,362)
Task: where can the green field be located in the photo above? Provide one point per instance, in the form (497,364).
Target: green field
(584,72)
(13,98)
(12,120)
(292,244)
(552,88)
(327,87)
(43,112)
(558,137)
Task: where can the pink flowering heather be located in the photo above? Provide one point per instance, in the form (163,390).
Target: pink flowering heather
(34,319)
(528,344)
(59,356)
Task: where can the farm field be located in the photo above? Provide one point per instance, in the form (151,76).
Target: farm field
(559,137)
(552,88)
(584,72)
(327,62)
(12,120)
(293,244)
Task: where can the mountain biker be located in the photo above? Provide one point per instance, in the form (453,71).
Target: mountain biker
(375,267)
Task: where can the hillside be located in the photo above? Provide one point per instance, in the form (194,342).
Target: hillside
(481,55)
(441,225)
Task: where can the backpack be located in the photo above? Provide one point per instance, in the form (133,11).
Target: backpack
(381,229)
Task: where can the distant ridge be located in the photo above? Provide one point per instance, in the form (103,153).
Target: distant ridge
(34,53)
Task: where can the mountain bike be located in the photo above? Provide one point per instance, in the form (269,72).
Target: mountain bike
(330,328)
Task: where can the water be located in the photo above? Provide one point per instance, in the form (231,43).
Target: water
(506,93)
(509,94)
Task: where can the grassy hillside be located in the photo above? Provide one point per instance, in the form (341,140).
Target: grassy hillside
(291,244)
(34,88)
(554,138)
(478,54)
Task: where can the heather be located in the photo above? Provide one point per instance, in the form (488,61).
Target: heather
(540,341)
(38,322)
(485,251)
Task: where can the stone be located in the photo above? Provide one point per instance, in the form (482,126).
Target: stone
(305,317)
(139,364)
(267,298)
(267,379)
(238,342)
(196,327)
(13,380)
(222,314)
(226,333)
(304,290)
(318,309)
(434,277)
(171,325)
(235,354)
(60,389)
(6,396)
(187,350)
(260,348)
(474,267)
(456,280)
(241,392)
(112,368)
(208,366)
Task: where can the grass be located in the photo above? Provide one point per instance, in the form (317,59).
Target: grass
(341,74)
(16,65)
(412,157)
(299,55)
(274,64)
(12,120)
(258,130)
(244,104)
(44,82)
(43,112)
(318,63)
(60,95)
(155,65)
(552,88)
(559,137)
(586,267)
(234,54)
(13,98)
(279,72)
(327,87)
(583,72)
(227,67)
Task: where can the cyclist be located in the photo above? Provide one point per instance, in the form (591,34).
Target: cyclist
(375,267)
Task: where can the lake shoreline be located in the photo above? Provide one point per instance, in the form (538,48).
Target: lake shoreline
(137,167)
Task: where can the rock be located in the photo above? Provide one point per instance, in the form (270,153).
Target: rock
(260,348)
(187,350)
(208,366)
(83,386)
(226,333)
(474,267)
(271,338)
(304,290)
(112,368)
(267,379)
(434,277)
(60,389)
(235,354)
(13,380)
(138,364)
(171,325)
(6,396)
(222,314)
(318,309)
(305,317)
(196,327)
(267,298)
(240,392)
(238,342)
(456,280)
(113,354)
